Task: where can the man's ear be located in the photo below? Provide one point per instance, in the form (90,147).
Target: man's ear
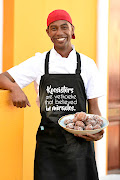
(73,29)
(47,31)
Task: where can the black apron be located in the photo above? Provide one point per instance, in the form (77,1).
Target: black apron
(60,155)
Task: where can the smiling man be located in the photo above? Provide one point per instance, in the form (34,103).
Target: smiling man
(66,80)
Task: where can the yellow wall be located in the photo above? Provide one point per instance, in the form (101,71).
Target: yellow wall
(8,34)
(11,139)
(30,37)
(30,25)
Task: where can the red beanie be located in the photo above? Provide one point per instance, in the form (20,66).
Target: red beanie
(59,14)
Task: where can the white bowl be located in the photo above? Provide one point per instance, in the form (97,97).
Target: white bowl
(84,132)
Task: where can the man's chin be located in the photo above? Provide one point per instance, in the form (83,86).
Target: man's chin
(60,47)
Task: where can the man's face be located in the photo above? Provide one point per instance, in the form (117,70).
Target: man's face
(60,32)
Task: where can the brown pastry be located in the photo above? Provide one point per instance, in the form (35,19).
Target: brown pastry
(100,122)
(80,123)
(70,125)
(67,121)
(93,122)
(78,128)
(81,116)
(97,126)
(89,127)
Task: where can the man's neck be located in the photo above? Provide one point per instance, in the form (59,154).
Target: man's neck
(64,52)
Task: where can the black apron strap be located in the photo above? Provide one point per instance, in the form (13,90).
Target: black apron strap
(78,69)
(46,63)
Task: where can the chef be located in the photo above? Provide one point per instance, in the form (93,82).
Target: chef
(66,81)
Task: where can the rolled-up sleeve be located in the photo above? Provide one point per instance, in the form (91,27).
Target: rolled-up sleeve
(95,86)
(26,72)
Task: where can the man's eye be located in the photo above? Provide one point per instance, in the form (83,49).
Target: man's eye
(64,27)
(53,29)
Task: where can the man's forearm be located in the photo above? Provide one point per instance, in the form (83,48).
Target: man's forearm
(93,107)
(7,83)
(18,97)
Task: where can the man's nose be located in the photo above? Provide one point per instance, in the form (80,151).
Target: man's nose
(59,32)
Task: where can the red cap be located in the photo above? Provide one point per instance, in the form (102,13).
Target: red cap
(59,14)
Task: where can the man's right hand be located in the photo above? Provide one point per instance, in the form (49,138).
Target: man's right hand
(18,97)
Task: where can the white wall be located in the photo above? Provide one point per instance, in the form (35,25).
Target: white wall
(1,32)
(102,62)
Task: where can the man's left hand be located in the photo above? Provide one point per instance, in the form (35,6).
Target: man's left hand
(92,137)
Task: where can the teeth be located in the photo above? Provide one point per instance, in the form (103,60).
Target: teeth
(60,39)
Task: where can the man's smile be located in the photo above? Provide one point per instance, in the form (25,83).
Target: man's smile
(60,39)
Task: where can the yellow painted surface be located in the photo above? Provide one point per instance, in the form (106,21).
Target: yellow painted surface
(11,139)
(30,26)
(31,122)
(8,34)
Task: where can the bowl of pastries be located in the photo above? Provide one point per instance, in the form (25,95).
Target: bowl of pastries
(82,123)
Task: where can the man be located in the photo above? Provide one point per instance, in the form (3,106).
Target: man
(66,80)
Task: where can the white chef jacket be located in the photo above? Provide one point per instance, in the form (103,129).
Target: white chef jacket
(33,68)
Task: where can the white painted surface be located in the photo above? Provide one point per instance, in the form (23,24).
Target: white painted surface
(111,177)
(1,32)
(102,63)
